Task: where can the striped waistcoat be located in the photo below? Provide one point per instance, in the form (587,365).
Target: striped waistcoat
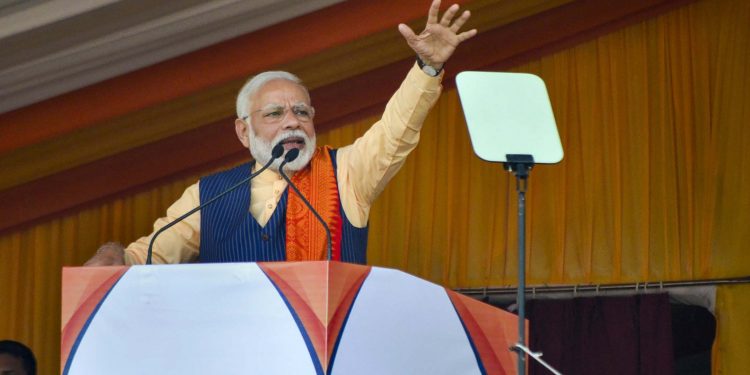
(229,233)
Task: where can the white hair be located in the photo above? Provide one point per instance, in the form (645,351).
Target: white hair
(244,98)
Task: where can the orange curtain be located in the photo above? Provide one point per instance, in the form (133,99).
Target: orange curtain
(31,262)
(654,185)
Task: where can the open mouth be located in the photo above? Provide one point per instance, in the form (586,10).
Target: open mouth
(293,142)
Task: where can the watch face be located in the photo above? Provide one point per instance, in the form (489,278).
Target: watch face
(429,70)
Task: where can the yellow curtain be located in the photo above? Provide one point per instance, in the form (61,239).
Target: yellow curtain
(31,262)
(732,342)
(654,186)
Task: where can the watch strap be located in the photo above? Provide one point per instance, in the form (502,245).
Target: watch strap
(428,69)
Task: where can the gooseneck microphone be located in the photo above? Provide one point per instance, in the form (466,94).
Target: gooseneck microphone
(289,157)
(276,152)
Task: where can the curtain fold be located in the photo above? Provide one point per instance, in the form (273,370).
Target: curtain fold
(654,185)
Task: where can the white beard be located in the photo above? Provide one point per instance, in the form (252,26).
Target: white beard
(261,149)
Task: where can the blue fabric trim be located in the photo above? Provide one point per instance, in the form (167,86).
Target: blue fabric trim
(480,364)
(300,326)
(85,327)
(343,325)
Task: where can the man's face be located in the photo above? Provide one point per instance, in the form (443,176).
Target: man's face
(280,113)
(11,365)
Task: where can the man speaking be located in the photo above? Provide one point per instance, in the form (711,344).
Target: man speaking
(265,221)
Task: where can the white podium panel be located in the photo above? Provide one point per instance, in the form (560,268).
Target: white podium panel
(275,318)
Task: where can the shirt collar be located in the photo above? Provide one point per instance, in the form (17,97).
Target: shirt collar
(270,175)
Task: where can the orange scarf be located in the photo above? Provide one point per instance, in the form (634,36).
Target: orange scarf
(305,237)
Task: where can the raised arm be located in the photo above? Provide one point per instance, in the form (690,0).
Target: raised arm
(366,166)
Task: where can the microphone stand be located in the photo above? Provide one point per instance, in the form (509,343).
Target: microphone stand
(277,151)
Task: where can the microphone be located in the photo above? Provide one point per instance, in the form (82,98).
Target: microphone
(276,152)
(289,157)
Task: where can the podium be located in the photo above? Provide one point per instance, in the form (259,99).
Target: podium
(276,318)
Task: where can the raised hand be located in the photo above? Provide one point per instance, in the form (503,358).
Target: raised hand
(437,42)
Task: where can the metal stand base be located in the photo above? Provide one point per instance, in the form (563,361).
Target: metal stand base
(537,357)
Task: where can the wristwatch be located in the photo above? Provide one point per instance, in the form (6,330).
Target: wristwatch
(428,69)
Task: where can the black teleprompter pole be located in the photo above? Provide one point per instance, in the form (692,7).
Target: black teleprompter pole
(520,165)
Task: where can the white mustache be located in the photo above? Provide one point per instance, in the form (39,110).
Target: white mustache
(261,149)
(281,137)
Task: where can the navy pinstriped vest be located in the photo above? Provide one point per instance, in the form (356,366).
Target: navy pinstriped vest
(229,233)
